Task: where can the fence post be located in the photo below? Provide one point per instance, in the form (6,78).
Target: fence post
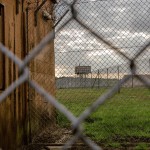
(91,79)
(132,80)
(98,78)
(107,78)
(149,65)
(118,78)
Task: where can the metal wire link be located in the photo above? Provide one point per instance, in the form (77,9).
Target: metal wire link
(76,121)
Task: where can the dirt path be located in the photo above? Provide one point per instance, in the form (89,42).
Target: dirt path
(53,139)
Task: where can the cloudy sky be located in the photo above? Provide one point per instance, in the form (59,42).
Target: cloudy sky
(125,23)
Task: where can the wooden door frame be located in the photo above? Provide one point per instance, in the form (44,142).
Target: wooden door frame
(2,87)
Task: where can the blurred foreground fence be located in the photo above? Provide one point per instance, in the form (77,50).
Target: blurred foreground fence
(113,38)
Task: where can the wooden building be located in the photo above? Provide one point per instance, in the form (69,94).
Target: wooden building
(17,37)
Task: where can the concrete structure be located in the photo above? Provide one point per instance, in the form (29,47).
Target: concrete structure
(134,82)
(14,34)
(72,82)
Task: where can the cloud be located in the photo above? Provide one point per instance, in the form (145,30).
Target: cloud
(125,23)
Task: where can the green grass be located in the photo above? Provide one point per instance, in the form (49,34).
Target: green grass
(142,146)
(123,118)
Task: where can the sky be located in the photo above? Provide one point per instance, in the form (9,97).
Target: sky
(125,23)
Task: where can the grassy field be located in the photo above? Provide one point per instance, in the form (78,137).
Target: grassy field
(123,118)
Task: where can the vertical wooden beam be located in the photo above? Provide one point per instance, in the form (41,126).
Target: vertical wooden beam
(2,58)
(17,6)
(37,10)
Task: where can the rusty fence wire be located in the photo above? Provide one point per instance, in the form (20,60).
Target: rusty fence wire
(101,48)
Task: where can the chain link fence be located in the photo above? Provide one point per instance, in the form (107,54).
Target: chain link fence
(102,69)
(101,49)
(41,114)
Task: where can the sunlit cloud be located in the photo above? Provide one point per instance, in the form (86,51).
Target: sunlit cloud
(125,23)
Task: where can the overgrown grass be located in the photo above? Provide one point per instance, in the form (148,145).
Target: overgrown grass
(123,118)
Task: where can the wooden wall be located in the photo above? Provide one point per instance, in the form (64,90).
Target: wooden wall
(14,110)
